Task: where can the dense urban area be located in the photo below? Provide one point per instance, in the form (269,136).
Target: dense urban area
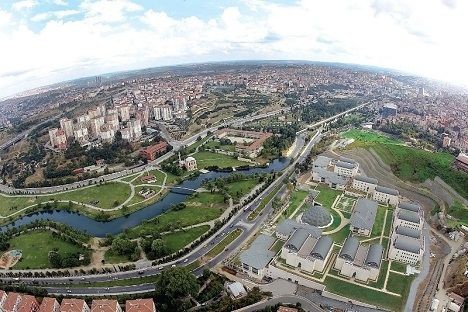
(250,186)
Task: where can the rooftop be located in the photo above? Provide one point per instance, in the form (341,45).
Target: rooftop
(139,305)
(406,231)
(410,206)
(258,255)
(408,215)
(316,216)
(366,179)
(288,226)
(350,247)
(346,165)
(407,244)
(104,305)
(387,190)
(322,161)
(72,305)
(363,216)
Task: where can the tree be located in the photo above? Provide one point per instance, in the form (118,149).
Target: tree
(159,248)
(123,246)
(176,283)
(55,259)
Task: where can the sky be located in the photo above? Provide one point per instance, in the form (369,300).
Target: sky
(48,41)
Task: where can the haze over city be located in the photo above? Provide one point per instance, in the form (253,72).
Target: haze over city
(48,41)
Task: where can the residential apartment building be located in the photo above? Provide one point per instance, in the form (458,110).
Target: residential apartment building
(346,168)
(28,304)
(12,302)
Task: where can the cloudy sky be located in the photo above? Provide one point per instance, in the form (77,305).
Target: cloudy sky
(47,41)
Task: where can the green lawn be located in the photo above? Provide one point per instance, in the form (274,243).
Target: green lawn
(327,196)
(200,207)
(216,250)
(336,220)
(277,246)
(241,188)
(137,198)
(111,257)
(459,211)
(363,294)
(398,266)
(370,136)
(297,197)
(215,144)
(192,148)
(399,284)
(411,164)
(345,204)
(129,177)
(388,224)
(379,222)
(178,240)
(35,246)
(207,159)
(340,236)
(158,174)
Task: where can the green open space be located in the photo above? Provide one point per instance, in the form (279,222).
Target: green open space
(398,266)
(192,148)
(345,203)
(364,294)
(411,164)
(216,250)
(215,144)
(112,257)
(240,188)
(178,240)
(137,198)
(105,196)
(388,222)
(379,222)
(277,246)
(340,236)
(264,202)
(209,159)
(336,220)
(399,284)
(382,275)
(129,178)
(35,247)
(297,198)
(200,207)
(459,211)
(327,196)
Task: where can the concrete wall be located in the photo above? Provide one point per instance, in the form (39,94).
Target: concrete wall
(275,272)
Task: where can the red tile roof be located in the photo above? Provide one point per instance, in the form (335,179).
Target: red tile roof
(104,305)
(48,305)
(72,305)
(140,305)
(11,302)
(28,304)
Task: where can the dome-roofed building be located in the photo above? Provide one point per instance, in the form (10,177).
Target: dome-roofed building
(317,216)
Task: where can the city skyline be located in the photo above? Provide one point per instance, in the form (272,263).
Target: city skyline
(50,41)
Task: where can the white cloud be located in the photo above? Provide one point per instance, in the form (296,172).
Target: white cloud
(420,36)
(24,4)
(60,2)
(41,17)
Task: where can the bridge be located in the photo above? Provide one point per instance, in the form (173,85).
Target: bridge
(183,190)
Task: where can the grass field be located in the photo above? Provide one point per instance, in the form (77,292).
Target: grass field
(363,294)
(340,236)
(216,250)
(345,203)
(137,198)
(297,197)
(336,220)
(111,257)
(388,223)
(398,266)
(411,164)
(35,246)
(217,145)
(399,284)
(459,211)
(241,188)
(200,207)
(178,240)
(379,222)
(207,159)
(327,195)
(104,196)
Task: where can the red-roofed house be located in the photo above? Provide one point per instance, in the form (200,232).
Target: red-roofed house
(74,305)
(152,151)
(105,305)
(3,296)
(28,304)
(140,305)
(49,305)
(12,302)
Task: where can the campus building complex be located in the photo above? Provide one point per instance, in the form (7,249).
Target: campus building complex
(363,216)
(248,143)
(359,261)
